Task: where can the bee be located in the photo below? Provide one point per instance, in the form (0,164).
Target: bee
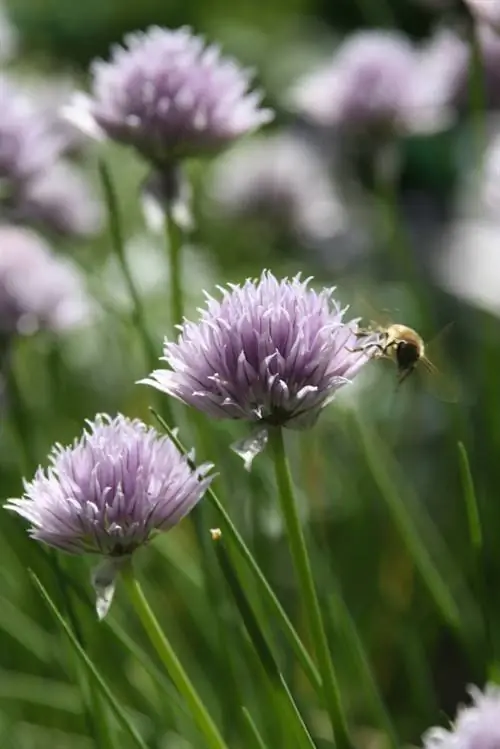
(408,350)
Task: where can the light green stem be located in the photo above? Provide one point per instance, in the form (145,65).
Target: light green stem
(118,242)
(171,662)
(304,573)
(175,242)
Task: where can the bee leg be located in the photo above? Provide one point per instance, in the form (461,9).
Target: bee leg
(378,346)
(404,374)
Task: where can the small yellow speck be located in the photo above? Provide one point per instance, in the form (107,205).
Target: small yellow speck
(216,533)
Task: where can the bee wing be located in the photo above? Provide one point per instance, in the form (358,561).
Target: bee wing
(376,320)
(436,372)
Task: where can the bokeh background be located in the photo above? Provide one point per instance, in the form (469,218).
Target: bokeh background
(380,478)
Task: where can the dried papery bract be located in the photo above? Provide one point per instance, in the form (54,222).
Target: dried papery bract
(476,726)
(270,352)
(109,493)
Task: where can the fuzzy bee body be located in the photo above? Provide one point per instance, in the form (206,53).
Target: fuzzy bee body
(402,344)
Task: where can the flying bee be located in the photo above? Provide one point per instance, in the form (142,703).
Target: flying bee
(407,349)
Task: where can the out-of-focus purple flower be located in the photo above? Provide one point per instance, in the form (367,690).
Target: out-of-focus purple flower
(37,289)
(282,180)
(112,490)
(36,185)
(446,66)
(367,87)
(271,352)
(486,11)
(438,76)
(170,96)
(476,726)
(61,199)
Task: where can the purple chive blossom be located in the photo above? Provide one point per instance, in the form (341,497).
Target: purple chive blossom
(279,180)
(37,289)
(109,493)
(270,352)
(368,88)
(36,185)
(118,485)
(475,727)
(169,95)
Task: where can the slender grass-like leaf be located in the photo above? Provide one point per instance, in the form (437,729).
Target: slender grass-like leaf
(255,739)
(265,589)
(419,534)
(474,521)
(120,714)
(307,586)
(367,681)
(170,660)
(262,647)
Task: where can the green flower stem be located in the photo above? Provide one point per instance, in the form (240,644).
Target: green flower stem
(174,244)
(265,589)
(170,661)
(303,569)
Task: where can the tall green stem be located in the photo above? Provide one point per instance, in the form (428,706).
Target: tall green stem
(170,661)
(174,243)
(118,241)
(304,573)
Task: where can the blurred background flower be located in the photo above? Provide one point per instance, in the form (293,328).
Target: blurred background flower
(385,186)
(37,288)
(36,185)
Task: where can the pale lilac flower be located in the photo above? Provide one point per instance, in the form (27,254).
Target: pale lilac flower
(270,352)
(118,485)
(281,180)
(438,78)
(169,95)
(37,289)
(475,727)
(109,493)
(486,11)
(59,199)
(36,185)
(446,67)
(366,87)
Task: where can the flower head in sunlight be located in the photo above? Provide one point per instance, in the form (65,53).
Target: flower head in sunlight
(38,289)
(36,185)
(112,490)
(169,95)
(475,727)
(367,87)
(272,352)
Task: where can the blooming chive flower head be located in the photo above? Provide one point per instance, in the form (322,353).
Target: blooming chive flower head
(475,727)
(36,185)
(363,85)
(112,490)
(272,352)
(281,180)
(368,87)
(170,96)
(37,289)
